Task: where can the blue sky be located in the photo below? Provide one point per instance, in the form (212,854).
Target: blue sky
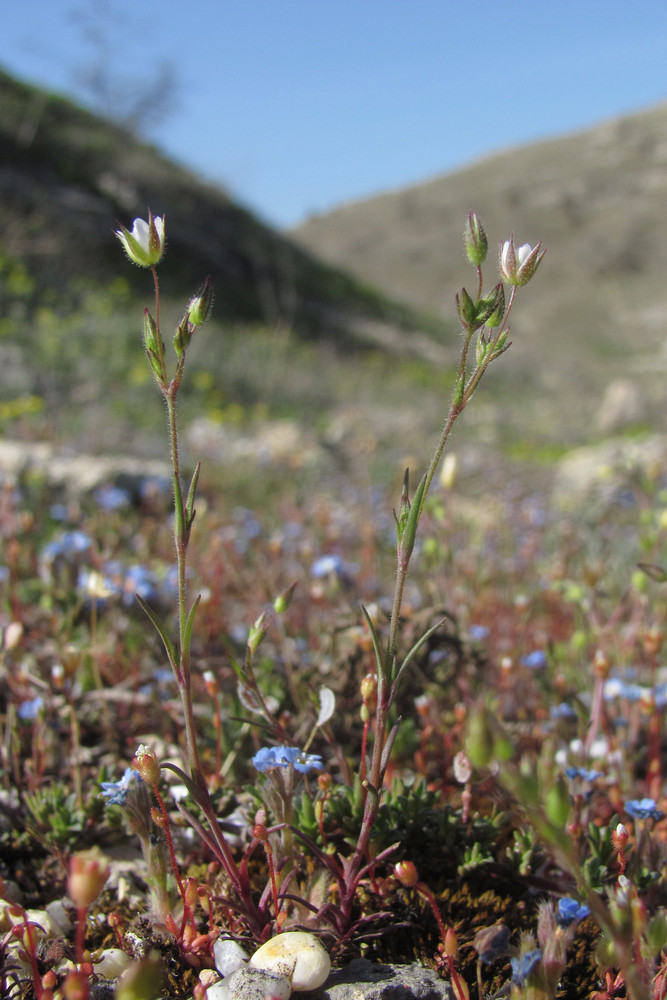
(298,105)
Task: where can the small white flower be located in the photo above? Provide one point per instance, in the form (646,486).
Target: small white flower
(517,266)
(144,245)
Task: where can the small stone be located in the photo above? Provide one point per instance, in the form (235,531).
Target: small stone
(60,922)
(229,956)
(297,955)
(112,963)
(250,984)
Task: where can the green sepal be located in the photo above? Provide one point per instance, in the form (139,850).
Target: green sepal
(170,649)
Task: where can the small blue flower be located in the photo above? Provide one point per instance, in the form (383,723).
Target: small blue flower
(270,757)
(537,660)
(139,581)
(582,772)
(522,967)
(570,911)
(75,542)
(303,762)
(643,809)
(327,566)
(29,710)
(478,633)
(562,711)
(112,498)
(116,792)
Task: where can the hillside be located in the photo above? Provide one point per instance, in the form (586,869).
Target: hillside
(597,310)
(67,176)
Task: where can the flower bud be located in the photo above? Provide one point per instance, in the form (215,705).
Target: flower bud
(475,240)
(147,765)
(76,985)
(494,306)
(601,665)
(451,943)
(283,601)
(190,892)
(406,873)
(88,871)
(369,686)
(144,245)
(200,304)
(620,837)
(466,309)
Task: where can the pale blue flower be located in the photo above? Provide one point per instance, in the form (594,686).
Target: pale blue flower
(301,761)
(326,566)
(643,809)
(582,772)
(29,710)
(522,967)
(116,792)
(537,660)
(270,757)
(570,911)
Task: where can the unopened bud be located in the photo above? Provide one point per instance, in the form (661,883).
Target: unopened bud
(406,873)
(601,665)
(147,765)
(88,872)
(451,943)
(190,892)
(620,837)
(369,686)
(466,309)
(200,304)
(283,601)
(257,633)
(475,240)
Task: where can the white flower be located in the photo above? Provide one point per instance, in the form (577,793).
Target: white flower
(517,266)
(144,245)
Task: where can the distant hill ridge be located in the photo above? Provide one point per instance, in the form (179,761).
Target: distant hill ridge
(597,198)
(67,177)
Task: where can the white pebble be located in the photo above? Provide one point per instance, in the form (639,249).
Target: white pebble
(112,962)
(228,956)
(250,984)
(297,955)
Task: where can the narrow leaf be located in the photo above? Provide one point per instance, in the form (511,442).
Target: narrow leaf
(415,649)
(190,502)
(375,640)
(189,624)
(160,629)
